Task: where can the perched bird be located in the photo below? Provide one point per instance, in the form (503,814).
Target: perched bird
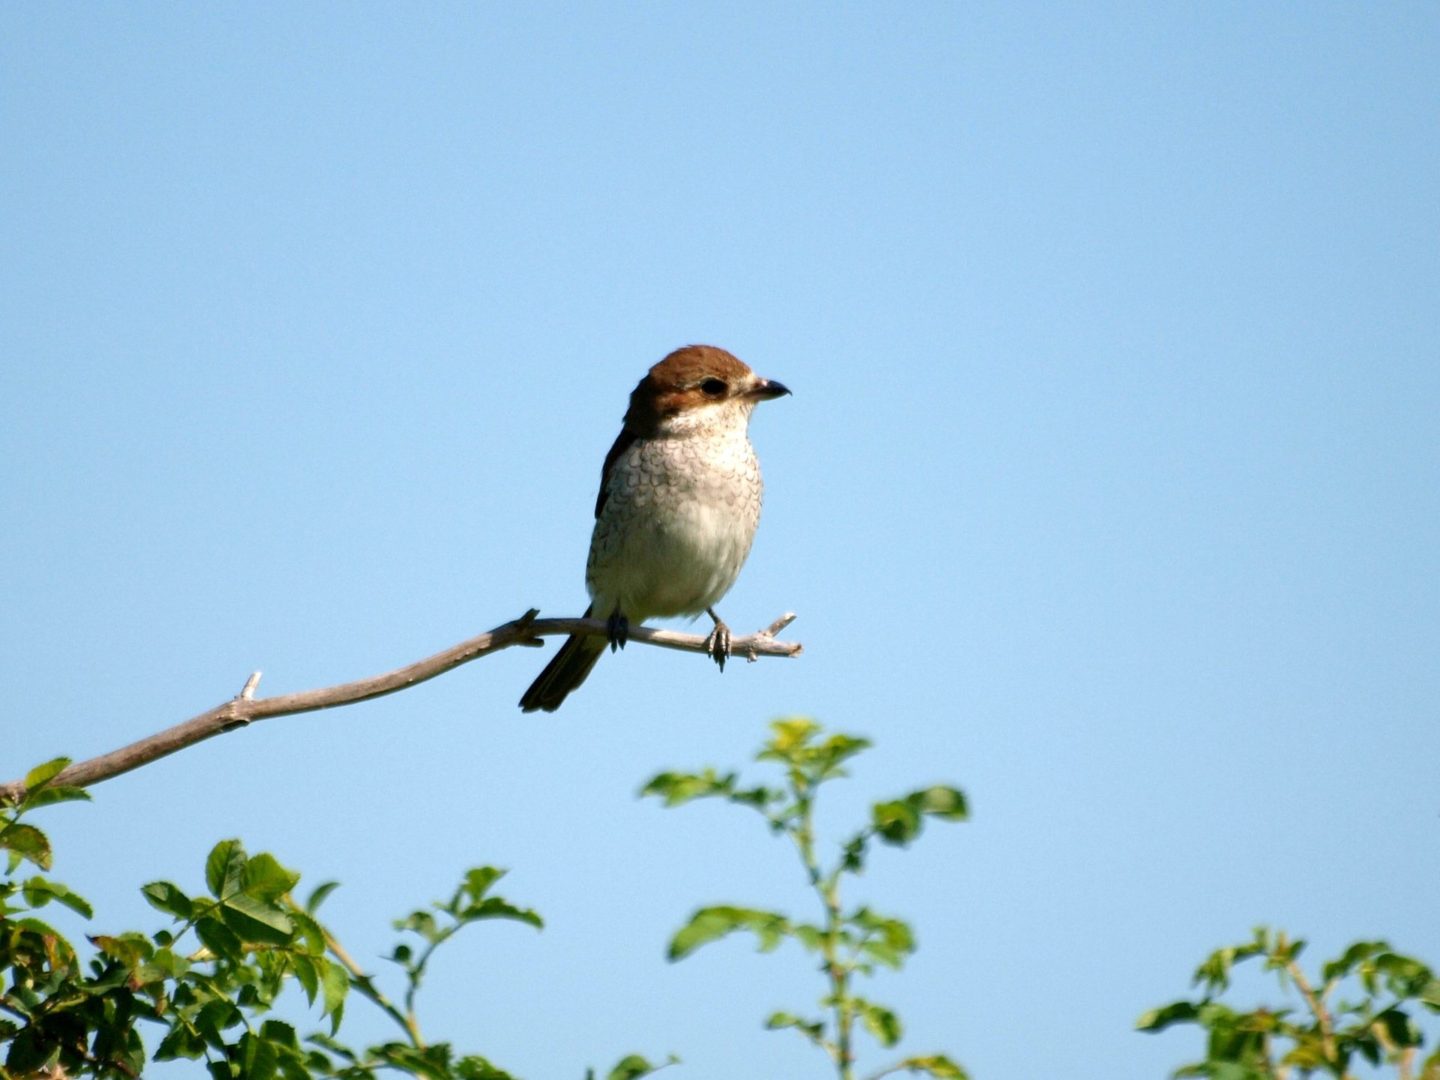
(679,502)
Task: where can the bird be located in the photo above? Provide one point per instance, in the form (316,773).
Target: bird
(679,500)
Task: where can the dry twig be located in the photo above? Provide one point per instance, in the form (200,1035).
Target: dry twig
(245,707)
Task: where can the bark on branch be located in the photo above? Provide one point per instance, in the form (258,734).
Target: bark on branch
(245,707)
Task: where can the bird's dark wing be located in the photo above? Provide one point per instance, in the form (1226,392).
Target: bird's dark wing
(623,442)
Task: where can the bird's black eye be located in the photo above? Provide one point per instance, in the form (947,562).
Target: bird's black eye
(713,387)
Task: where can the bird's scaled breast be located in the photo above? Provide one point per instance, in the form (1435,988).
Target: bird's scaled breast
(676,526)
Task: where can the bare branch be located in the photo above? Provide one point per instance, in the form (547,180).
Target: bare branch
(245,708)
(247,692)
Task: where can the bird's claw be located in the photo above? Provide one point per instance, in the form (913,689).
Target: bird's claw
(718,644)
(618,627)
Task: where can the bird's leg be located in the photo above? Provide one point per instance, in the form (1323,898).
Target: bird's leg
(718,643)
(619,629)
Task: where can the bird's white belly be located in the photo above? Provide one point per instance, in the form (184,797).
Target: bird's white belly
(671,541)
(683,563)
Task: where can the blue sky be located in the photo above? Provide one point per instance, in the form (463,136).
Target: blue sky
(1109,490)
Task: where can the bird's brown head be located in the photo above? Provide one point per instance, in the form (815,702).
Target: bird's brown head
(698,380)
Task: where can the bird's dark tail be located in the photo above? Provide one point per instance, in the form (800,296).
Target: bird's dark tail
(567,670)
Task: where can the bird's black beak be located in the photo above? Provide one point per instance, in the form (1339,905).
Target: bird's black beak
(767,389)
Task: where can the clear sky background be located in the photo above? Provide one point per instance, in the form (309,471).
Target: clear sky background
(1109,490)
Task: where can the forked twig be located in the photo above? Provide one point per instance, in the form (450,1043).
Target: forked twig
(245,707)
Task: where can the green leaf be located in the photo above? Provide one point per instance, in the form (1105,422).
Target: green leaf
(789,734)
(310,936)
(793,743)
(219,938)
(478,880)
(473,1067)
(430,1061)
(1309,1052)
(1368,1045)
(1179,1012)
(168,898)
(254,920)
(1399,1027)
(814,1030)
(884,940)
(882,1023)
(258,1059)
(881,932)
(633,1067)
(214,1017)
(224,867)
(335,983)
(943,802)
(319,1038)
(811,937)
(900,821)
(319,894)
(28,843)
(1235,1070)
(129,949)
(164,964)
(1429,995)
(1353,956)
(1215,971)
(1404,975)
(936,1065)
(266,880)
(830,755)
(41,775)
(40,891)
(279,1033)
(712,923)
(31,1054)
(1283,951)
(495,908)
(896,823)
(757,798)
(419,922)
(181,1042)
(51,794)
(676,789)
(852,860)
(307,974)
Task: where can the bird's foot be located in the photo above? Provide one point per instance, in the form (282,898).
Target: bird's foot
(718,643)
(618,627)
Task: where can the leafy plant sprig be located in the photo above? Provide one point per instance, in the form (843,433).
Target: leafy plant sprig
(1326,1032)
(850,942)
(211,982)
